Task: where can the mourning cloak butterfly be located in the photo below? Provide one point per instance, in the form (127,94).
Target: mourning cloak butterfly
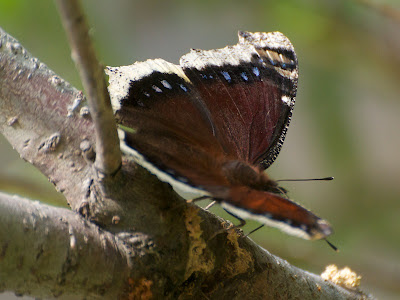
(215,122)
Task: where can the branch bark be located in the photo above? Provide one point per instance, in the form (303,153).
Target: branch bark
(171,246)
(44,119)
(48,252)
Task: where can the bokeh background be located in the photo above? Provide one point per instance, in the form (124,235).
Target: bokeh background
(346,121)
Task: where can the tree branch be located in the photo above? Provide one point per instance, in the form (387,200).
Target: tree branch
(48,252)
(43,118)
(108,158)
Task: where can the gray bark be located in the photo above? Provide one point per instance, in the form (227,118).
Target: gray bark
(46,251)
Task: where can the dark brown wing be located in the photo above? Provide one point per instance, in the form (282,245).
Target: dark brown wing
(167,126)
(249,90)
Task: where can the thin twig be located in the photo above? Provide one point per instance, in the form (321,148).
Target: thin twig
(108,154)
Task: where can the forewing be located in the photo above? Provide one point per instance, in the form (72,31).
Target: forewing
(249,90)
(166,125)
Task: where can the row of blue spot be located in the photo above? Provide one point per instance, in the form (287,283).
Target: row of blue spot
(225,74)
(228,77)
(167,85)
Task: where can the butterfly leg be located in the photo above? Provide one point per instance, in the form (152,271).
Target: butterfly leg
(242,222)
(198,199)
(203,198)
(254,230)
(210,205)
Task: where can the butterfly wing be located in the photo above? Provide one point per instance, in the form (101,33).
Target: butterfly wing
(183,123)
(167,127)
(276,211)
(249,90)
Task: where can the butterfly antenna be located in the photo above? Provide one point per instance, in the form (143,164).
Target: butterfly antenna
(308,179)
(332,245)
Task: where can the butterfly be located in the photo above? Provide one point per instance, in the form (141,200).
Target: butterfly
(214,123)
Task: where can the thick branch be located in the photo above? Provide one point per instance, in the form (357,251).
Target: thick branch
(108,159)
(45,120)
(48,252)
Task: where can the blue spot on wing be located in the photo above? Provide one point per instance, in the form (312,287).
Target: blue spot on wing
(226,76)
(256,71)
(184,88)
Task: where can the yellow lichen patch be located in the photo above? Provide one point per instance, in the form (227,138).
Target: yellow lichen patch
(140,289)
(199,259)
(243,259)
(344,277)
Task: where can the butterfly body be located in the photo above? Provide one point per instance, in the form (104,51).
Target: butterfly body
(215,122)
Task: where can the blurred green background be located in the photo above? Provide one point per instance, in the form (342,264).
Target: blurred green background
(346,121)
